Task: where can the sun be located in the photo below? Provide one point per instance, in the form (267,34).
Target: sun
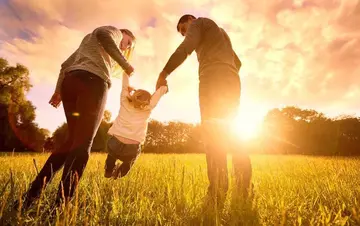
(247,126)
(245,130)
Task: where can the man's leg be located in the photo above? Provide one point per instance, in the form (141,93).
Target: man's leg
(216,160)
(92,93)
(243,173)
(241,160)
(213,138)
(219,100)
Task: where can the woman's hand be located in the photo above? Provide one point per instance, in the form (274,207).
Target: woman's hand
(129,71)
(55,100)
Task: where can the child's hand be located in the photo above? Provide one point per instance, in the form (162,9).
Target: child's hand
(161,80)
(130,89)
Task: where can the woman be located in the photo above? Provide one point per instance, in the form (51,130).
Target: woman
(82,86)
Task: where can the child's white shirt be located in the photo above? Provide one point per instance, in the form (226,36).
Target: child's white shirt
(132,122)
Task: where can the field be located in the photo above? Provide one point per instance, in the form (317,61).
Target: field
(170,190)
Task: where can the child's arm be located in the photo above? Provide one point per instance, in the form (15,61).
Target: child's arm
(125,87)
(157,95)
(130,89)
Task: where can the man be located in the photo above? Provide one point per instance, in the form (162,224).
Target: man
(219,95)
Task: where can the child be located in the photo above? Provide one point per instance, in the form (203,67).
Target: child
(129,129)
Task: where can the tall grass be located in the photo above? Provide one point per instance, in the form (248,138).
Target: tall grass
(170,190)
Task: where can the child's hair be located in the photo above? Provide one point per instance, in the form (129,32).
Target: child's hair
(140,98)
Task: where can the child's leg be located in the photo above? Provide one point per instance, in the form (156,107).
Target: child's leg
(109,165)
(128,156)
(123,169)
(113,147)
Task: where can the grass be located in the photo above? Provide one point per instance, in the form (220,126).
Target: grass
(170,190)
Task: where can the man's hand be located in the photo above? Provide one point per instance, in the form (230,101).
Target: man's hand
(161,80)
(129,71)
(55,100)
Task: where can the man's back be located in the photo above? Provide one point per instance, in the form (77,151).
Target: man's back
(214,46)
(211,44)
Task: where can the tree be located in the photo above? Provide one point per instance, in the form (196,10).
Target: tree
(297,131)
(101,137)
(49,144)
(14,83)
(17,114)
(60,135)
(172,137)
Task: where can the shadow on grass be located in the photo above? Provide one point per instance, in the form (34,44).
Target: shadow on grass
(237,211)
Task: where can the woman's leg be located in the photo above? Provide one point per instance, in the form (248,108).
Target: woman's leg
(91,98)
(57,159)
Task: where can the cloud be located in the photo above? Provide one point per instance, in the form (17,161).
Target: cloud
(293,52)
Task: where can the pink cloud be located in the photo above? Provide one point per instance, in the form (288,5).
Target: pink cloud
(293,52)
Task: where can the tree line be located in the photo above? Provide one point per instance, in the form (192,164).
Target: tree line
(18,131)
(289,130)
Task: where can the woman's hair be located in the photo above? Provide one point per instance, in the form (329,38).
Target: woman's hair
(140,98)
(128,32)
(127,53)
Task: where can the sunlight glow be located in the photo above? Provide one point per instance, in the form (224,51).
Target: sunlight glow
(247,124)
(246,129)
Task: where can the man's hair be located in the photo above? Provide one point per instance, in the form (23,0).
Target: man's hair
(184,19)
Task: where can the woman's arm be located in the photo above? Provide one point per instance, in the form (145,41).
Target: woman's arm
(106,37)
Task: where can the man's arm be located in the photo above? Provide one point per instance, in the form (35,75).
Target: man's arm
(237,61)
(105,36)
(191,41)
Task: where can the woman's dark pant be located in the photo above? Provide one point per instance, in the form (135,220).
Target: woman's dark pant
(84,97)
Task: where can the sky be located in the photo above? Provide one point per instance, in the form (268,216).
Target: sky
(294,52)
